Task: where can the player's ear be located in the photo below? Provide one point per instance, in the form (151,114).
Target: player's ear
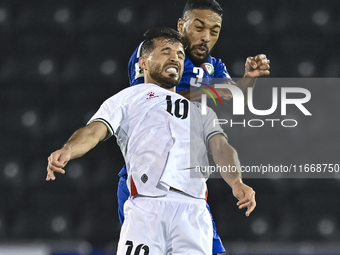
(180,25)
(142,62)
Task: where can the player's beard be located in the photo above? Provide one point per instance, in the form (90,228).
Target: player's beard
(164,82)
(188,51)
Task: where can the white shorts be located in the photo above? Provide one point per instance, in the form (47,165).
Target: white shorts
(171,224)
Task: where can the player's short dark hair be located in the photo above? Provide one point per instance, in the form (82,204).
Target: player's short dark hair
(202,5)
(154,33)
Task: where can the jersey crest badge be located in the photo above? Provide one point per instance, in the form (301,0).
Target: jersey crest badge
(208,67)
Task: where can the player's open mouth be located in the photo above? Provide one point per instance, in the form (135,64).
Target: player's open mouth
(200,50)
(172,69)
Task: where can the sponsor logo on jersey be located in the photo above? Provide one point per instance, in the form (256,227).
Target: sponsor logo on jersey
(151,95)
(208,67)
(144,178)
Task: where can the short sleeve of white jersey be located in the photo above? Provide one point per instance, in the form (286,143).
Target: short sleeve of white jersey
(210,127)
(110,114)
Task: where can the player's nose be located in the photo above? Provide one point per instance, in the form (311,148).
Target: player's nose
(205,36)
(174,57)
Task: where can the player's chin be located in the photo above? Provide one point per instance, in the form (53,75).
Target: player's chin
(172,76)
(200,58)
(172,81)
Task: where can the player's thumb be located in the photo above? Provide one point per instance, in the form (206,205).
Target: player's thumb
(253,64)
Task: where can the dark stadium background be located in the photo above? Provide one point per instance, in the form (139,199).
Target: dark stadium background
(59,60)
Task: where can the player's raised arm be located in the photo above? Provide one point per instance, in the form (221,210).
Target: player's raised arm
(225,155)
(82,141)
(255,67)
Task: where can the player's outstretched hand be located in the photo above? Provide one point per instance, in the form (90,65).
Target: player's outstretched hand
(257,66)
(56,162)
(246,197)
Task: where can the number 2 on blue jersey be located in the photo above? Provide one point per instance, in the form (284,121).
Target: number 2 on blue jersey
(196,82)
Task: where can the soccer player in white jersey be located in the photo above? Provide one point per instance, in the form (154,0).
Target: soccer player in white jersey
(154,126)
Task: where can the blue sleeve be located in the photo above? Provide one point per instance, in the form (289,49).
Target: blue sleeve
(221,70)
(136,75)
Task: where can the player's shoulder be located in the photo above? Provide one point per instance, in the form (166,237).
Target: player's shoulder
(128,93)
(201,114)
(214,67)
(220,70)
(198,105)
(147,90)
(215,61)
(128,96)
(140,88)
(136,75)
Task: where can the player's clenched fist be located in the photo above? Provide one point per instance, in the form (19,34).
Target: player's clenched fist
(257,66)
(56,162)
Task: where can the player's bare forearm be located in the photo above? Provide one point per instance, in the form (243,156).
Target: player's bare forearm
(226,156)
(82,141)
(255,67)
(85,139)
(244,84)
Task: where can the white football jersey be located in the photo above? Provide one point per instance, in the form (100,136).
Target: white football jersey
(163,138)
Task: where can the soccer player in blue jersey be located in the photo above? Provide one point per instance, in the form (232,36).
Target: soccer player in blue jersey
(200,26)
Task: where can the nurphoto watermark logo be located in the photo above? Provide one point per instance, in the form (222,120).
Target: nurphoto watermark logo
(240,103)
(280,128)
